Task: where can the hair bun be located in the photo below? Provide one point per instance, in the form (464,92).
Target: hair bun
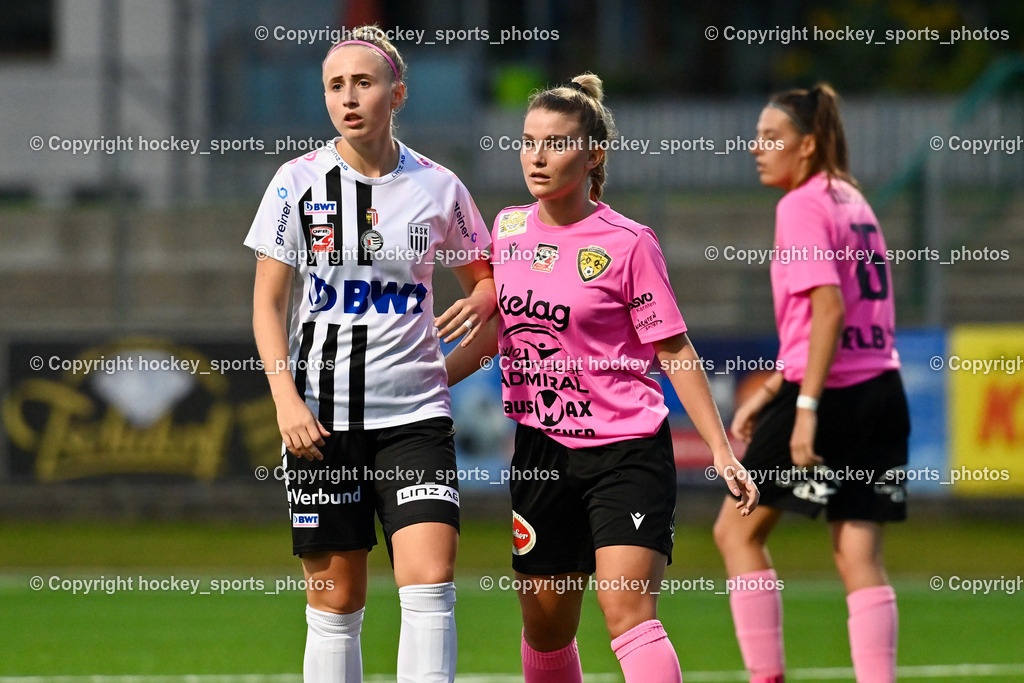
(589,84)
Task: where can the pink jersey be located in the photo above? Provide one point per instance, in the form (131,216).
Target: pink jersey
(828,235)
(581,306)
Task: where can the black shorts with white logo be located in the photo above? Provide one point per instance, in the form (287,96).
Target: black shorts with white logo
(406,474)
(862,437)
(567,502)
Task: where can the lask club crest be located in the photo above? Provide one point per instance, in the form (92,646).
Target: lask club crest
(419,237)
(591,262)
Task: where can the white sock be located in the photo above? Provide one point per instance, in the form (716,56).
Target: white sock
(427,644)
(332,647)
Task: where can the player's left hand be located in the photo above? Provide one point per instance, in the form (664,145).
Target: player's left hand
(476,309)
(801,443)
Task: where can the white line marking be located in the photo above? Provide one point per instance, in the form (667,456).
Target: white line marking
(959,671)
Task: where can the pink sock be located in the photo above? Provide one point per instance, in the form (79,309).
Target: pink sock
(872,626)
(757,614)
(560,666)
(645,654)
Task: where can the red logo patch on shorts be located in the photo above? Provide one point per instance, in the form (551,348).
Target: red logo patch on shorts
(523,535)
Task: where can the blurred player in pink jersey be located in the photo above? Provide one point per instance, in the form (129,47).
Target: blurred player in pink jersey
(829,431)
(586,311)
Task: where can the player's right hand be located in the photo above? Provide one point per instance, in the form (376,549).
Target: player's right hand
(300,430)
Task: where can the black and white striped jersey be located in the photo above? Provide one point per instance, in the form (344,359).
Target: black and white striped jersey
(363,349)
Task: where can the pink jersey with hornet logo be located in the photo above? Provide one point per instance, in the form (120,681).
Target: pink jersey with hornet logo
(580,307)
(829,236)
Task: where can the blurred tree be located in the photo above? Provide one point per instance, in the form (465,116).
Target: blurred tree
(919,54)
(660,47)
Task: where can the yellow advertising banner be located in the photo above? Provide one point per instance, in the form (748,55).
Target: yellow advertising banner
(137,406)
(985,366)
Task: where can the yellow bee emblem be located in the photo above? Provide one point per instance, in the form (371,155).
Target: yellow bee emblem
(591,262)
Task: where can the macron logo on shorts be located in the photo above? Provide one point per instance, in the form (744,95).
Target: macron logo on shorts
(306,521)
(410,494)
(638,519)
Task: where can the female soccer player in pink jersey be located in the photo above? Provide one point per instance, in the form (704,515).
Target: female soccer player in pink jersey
(586,310)
(346,238)
(829,431)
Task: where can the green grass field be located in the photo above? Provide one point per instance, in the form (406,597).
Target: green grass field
(53,632)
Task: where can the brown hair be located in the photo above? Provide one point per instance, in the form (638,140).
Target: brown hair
(816,112)
(583,97)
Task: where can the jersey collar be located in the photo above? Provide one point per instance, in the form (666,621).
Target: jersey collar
(403,159)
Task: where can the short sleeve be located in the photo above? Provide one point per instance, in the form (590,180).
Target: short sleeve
(468,238)
(802,234)
(652,303)
(275,231)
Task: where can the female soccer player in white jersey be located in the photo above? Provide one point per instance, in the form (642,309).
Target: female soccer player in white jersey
(347,237)
(586,309)
(829,430)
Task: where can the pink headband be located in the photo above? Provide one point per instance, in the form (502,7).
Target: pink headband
(383,54)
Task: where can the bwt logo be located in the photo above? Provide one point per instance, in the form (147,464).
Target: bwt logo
(306,521)
(311,208)
(322,296)
(358,295)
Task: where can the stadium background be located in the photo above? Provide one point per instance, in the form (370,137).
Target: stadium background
(137,255)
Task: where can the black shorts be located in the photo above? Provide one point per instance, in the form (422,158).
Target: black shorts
(407,474)
(567,502)
(862,436)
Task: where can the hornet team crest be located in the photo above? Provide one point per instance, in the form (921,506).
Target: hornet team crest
(591,262)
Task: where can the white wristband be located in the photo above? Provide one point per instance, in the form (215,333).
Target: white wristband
(807,402)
